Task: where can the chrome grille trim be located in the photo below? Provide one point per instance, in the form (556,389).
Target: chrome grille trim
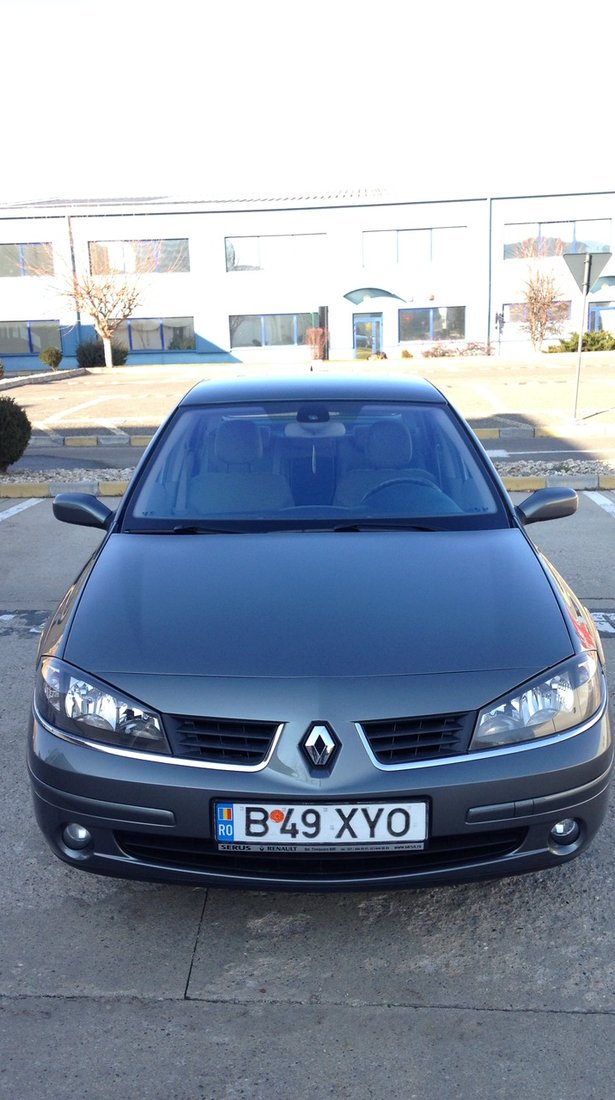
(413,740)
(489,754)
(232,741)
(159,758)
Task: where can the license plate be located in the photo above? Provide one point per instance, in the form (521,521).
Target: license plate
(369,826)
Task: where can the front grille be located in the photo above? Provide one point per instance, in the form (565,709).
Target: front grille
(407,740)
(220,740)
(189,853)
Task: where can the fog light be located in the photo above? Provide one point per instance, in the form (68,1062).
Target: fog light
(565,831)
(76,836)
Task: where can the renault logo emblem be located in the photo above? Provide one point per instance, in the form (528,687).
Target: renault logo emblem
(320,745)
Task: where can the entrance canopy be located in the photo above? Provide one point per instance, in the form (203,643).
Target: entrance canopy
(363,294)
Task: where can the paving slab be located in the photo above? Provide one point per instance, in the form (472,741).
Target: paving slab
(116,1049)
(66,933)
(545,942)
(114,990)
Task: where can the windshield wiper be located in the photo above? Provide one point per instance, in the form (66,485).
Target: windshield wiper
(296,526)
(385,525)
(205,529)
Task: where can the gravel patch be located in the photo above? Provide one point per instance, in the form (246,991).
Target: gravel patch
(521,468)
(564,466)
(66,475)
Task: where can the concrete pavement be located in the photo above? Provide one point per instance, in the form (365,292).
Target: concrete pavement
(111,990)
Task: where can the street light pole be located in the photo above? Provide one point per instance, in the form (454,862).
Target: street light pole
(73,271)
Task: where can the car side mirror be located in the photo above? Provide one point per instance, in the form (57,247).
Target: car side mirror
(544,504)
(82,509)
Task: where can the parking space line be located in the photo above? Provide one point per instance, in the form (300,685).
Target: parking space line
(490,398)
(111,425)
(66,414)
(605,621)
(19,508)
(602,501)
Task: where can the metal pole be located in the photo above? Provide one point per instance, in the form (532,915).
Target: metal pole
(490,279)
(586,276)
(73,269)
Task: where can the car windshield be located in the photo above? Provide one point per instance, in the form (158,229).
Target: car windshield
(343,465)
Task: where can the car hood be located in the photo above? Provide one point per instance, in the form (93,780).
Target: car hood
(315,605)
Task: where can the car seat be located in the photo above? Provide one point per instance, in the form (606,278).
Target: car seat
(240,484)
(388,454)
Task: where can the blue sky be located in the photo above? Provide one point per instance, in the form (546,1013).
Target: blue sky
(201,99)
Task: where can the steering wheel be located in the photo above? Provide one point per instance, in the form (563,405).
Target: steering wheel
(412,479)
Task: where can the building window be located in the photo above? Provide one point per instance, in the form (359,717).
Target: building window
(156,334)
(270,329)
(279,253)
(601,317)
(29,337)
(26,259)
(139,257)
(434,323)
(529,240)
(516,312)
(413,248)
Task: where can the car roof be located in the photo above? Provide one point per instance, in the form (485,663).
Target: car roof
(313,386)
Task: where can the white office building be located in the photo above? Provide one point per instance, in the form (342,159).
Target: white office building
(269,280)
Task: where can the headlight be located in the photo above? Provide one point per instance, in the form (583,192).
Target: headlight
(559,701)
(84,706)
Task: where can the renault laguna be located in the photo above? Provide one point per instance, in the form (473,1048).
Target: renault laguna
(317,649)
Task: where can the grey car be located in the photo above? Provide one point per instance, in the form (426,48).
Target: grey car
(317,649)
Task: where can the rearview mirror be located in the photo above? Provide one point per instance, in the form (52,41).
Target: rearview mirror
(544,504)
(83,509)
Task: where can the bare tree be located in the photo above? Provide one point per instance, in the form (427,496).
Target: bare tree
(108,294)
(108,299)
(545,313)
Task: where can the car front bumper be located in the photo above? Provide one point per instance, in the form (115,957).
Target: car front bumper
(489,814)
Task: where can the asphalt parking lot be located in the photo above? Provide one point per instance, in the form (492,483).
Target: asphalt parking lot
(490,391)
(103,420)
(115,989)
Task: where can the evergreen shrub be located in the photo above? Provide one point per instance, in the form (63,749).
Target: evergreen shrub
(592,341)
(91,353)
(15,431)
(51,357)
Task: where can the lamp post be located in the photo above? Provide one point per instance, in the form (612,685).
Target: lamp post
(73,270)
